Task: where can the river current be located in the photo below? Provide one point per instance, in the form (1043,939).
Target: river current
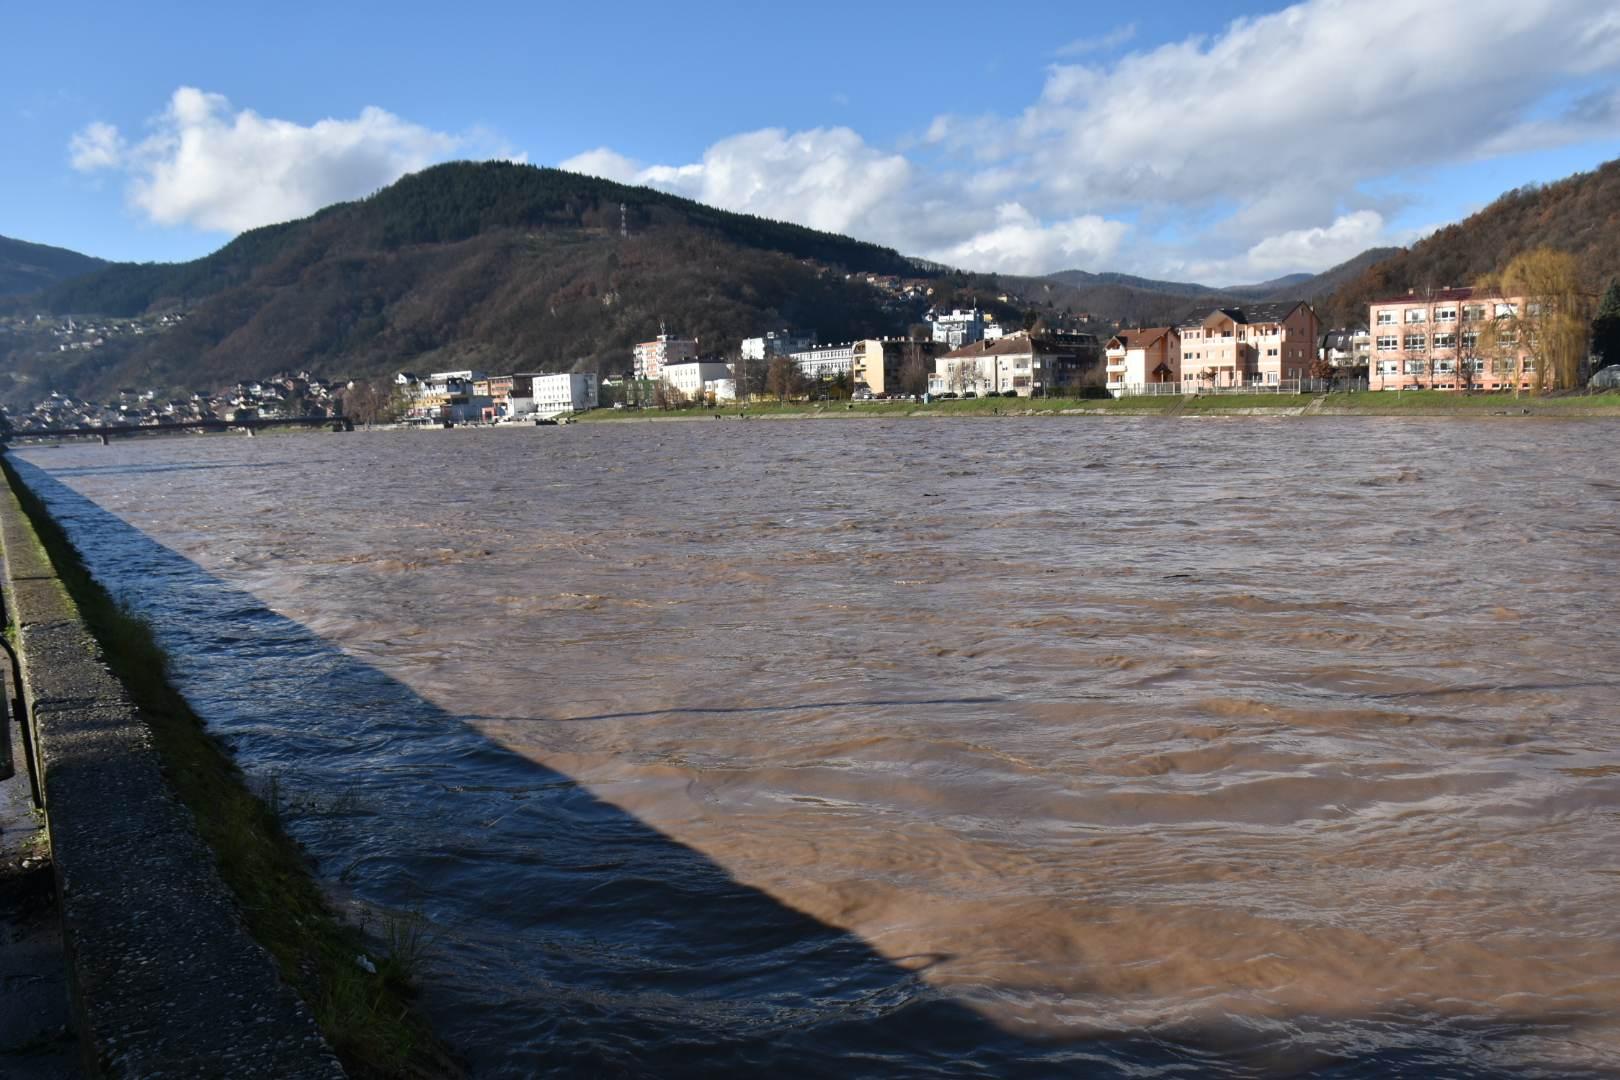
(977,747)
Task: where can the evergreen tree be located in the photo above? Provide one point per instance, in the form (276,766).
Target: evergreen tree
(1606,327)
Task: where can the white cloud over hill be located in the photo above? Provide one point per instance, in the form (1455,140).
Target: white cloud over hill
(212,166)
(1249,147)
(1236,156)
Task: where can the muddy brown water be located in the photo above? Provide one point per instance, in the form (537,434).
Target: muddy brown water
(959,747)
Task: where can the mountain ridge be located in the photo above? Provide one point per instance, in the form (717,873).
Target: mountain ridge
(27,267)
(512,266)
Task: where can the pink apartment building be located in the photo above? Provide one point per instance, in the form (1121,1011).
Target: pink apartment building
(1253,345)
(1431,343)
(651,357)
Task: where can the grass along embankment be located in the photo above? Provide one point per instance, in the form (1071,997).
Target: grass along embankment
(366,1017)
(1362,403)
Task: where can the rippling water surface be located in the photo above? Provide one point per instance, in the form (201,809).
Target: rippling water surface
(1242,747)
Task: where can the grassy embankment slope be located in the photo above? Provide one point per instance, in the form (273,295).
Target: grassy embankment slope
(1416,403)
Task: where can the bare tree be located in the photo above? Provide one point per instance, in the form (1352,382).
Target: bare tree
(374,401)
(783,379)
(914,369)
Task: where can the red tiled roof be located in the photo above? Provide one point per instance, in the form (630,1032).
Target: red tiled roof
(1142,339)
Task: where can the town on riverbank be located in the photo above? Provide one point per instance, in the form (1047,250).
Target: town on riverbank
(1511,346)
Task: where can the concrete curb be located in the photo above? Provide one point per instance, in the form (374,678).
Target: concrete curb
(165,980)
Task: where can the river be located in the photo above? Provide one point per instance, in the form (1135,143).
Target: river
(976,747)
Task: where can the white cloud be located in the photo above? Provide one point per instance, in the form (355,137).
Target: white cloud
(214,167)
(1323,94)
(827,178)
(1250,146)
(1346,238)
(604,163)
(98,146)
(1106,43)
(1020,244)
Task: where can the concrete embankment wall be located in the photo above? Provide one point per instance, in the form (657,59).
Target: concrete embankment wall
(164,979)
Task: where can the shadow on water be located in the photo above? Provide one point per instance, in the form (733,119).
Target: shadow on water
(571,938)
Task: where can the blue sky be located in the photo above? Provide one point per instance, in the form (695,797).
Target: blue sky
(1221,141)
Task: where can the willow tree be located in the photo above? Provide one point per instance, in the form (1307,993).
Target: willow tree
(1543,319)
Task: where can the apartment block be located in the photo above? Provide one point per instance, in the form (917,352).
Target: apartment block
(652,356)
(1254,345)
(777,343)
(1431,342)
(878,362)
(826,361)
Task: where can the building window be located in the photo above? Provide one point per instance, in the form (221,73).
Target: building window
(1416,367)
(1388,367)
(1416,315)
(1416,343)
(1445,341)
(1445,314)
(1470,340)
(1386,318)
(1506,310)
(1444,367)
(1388,343)
(1473,313)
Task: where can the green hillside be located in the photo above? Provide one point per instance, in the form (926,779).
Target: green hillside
(504,266)
(1580,215)
(26,268)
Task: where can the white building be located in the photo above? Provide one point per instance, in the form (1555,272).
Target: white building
(573,391)
(689,377)
(651,357)
(777,343)
(959,328)
(721,389)
(444,396)
(827,361)
(1019,363)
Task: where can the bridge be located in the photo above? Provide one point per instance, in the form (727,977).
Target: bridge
(105,432)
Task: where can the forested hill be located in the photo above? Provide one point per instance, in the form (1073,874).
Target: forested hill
(1580,215)
(504,266)
(26,267)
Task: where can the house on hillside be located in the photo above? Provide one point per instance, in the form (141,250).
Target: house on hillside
(1143,358)
(1253,345)
(958,328)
